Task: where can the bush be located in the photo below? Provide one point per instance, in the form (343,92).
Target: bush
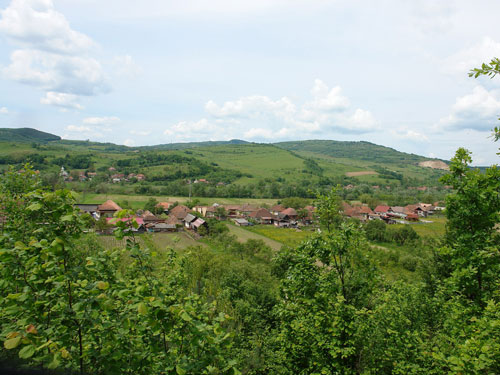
(409,262)
(376,230)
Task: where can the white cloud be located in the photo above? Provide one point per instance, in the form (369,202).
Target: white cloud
(61,100)
(328,111)
(107,120)
(326,99)
(477,111)
(36,22)
(410,134)
(53,57)
(197,130)
(58,73)
(4,110)
(78,129)
(472,57)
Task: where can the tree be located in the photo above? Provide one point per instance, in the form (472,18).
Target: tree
(472,213)
(328,209)
(325,288)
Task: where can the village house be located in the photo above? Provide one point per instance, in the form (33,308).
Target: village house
(275,210)
(164,227)
(359,212)
(247,209)
(108,208)
(197,224)
(188,220)
(165,206)
(149,218)
(241,222)
(232,210)
(290,212)
(180,212)
(262,216)
(91,209)
(382,210)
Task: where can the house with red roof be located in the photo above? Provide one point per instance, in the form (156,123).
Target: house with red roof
(108,208)
(262,216)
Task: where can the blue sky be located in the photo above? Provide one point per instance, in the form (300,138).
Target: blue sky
(141,73)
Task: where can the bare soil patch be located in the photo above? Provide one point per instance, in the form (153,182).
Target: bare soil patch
(434,164)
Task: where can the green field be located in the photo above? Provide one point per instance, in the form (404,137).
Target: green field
(435,229)
(177,241)
(244,234)
(287,236)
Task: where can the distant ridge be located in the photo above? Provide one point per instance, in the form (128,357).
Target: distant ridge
(186,145)
(26,135)
(361,150)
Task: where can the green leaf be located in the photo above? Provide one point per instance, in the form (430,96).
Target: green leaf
(67,217)
(185,316)
(12,343)
(103,285)
(55,363)
(27,352)
(142,308)
(34,207)
(180,370)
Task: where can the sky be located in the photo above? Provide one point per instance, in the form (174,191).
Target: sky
(391,72)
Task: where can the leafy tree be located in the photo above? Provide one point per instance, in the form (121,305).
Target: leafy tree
(325,287)
(328,209)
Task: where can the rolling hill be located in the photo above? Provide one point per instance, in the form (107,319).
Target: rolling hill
(288,165)
(26,135)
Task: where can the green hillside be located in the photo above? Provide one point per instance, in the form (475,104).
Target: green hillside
(227,169)
(26,135)
(365,151)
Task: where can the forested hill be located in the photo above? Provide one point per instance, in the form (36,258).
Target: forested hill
(352,150)
(26,135)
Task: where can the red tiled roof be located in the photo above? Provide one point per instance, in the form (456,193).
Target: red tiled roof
(277,208)
(346,206)
(164,205)
(289,211)
(109,205)
(381,208)
(180,211)
(261,213)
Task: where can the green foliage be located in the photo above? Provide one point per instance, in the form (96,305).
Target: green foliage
(152,206)
(402,235)
(490,69)
(325,284)
(295,202)
(376,230)
(328,209)
(473,211)
(67,304)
